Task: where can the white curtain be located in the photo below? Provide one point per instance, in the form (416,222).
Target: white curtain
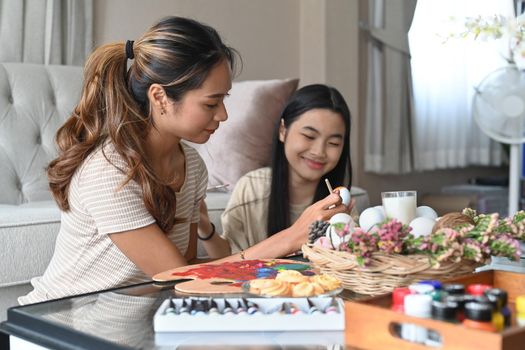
(445,74)
(46,31)
(388,142)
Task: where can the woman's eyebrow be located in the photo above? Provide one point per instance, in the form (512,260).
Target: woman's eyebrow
(218,95)
(309,128)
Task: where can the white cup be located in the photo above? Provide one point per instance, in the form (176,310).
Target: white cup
(400,205)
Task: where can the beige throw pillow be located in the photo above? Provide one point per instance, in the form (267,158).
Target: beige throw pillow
(243,143)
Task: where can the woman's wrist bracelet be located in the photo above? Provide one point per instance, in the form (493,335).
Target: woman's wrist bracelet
(208,236)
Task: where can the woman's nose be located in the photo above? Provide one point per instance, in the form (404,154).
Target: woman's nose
(222,114)
(318,148)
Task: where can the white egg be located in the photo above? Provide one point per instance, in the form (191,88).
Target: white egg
(370,217)
(345,195)
(336,240)
(331,232)
(341,218)
(381,209)
(427,212)
(422,226)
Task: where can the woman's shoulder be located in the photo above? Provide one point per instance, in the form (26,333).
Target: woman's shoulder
(261,175)
(254,185)
(191,154)
(103,161)
(189,150)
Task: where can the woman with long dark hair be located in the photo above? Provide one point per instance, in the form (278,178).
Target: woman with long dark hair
(311,143)
(128,186)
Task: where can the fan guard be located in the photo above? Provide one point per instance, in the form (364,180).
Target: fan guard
(498,105)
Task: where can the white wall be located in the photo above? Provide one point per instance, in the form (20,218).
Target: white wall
(315,40)
(265,32)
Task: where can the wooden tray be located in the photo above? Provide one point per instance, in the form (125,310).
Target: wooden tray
(369,322)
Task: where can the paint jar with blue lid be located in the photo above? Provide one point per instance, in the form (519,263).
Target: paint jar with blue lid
(434,283)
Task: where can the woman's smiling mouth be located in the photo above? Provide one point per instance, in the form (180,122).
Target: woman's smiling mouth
(313,164)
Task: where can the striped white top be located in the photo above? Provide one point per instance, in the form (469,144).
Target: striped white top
(85,259)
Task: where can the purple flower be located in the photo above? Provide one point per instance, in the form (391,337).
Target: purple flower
(490,235)
(505,245)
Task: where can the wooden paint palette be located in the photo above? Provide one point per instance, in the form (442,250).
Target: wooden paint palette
(227,277)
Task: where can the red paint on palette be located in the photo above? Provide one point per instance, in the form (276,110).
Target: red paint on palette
(243,270)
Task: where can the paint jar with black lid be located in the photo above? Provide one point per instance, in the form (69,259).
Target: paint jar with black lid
(445,311)
(478,316)
(503,298)
(460,300)
(453,289)
(497,316)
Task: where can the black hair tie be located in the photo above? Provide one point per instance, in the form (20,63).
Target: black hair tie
(208,237)
(129,49)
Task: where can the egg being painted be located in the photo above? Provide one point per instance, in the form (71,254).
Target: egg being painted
(345,195)
(370,217)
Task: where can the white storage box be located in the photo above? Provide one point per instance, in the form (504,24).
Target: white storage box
(269,318)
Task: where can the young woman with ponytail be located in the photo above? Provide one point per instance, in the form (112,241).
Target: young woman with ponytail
(128,187)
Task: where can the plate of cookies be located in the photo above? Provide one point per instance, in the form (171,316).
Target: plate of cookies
(292,283)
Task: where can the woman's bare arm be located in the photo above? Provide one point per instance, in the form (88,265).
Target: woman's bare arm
(150,249)
(216,247)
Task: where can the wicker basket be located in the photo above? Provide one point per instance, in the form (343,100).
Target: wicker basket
(386,271)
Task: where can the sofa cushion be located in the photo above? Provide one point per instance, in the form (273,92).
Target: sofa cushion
(28,233)
(243,143)
(34,101)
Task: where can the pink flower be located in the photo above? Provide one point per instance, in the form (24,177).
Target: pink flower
(323,242)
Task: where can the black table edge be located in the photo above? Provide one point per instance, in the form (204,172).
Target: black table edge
(52,336)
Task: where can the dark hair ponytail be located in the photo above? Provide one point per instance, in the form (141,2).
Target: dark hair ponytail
(177,53)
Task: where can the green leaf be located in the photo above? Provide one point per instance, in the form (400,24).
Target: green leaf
(339,226)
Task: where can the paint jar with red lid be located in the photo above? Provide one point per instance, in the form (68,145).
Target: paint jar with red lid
(478,289)
(398,298)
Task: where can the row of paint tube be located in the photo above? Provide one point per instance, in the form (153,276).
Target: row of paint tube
(243,306)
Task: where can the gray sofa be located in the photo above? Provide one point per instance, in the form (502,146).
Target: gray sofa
(34,101)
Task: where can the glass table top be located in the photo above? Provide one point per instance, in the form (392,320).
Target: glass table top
(122,318)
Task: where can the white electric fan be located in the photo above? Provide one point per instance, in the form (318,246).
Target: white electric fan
(498,107)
